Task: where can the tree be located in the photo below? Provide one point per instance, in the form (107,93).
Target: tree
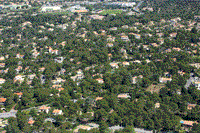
(128,129)
(39,121)
(102,126)
(16,98)
(196,128)
(33,113)
(66,125)
(12,126)
(22,119)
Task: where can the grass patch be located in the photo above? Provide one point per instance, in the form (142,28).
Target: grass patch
(155,88)
(56,13)
(111,12)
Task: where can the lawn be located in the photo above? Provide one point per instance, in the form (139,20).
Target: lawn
(104,12)
(56,13)
(155,88)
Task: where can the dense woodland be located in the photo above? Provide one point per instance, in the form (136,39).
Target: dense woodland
(138,111)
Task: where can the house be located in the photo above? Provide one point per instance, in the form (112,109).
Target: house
(134,80)
(18,69)
(32,76)
(85,127)
(114,128)
(2,64)
(197,65)
(2,101)
(44,109)
(56,86)
(109,56)
(31,122)
(124,96)
(125,63)
(50,8)
(98,98)
(137,36)
(197,84)
(139,130)
(137,61)
(35,54)
(176,49)
(114,65)
(96,17)
(164,80)
(19,78)
(125,26)
(173,35)
(125,38)
(191,106)
(146,47)
(58,81)
(157,105)
(2,58)
(187,125)
(41,69)
(2,80)
(19,94)
(160,40)
(81,11)
(110,39)
(113,29)
(57,112)
(99,80)
(19,56)
(109,44)
(93,125)
(181,72)
(50,119)
(60,89)
(159,34)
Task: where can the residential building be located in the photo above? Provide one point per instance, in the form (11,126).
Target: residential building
(31,122)
(96,17)
(165,80)
(187,125)
(50,8)
(124,96)
(157,105)
(114,65)
(173,35)
(57,112)
(125,38)
(2,101)
(44,109)
(197,85)
(19,94)
(2,80)
(191,106)
(100,80)
(2,64)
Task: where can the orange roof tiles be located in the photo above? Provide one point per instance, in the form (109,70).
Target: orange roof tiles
(56,111)
(44,107)
(98,98)
(2,100)
(60,89)
(189,123)
(31,122)
(19,94)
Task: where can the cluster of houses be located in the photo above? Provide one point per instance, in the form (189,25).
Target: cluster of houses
(57,83)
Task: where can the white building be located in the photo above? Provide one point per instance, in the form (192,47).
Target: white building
(50,8)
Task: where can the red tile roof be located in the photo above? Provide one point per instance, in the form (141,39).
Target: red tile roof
(2,100)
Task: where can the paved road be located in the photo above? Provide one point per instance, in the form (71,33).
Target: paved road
(12,113)
(136,8)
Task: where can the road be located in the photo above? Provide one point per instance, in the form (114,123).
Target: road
(136,8)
